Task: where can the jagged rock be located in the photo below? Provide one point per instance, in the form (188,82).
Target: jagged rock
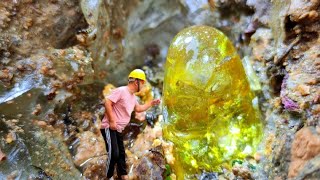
(304,10)
(146,157)
(91,155)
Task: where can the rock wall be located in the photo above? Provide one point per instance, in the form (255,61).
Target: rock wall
(286,57)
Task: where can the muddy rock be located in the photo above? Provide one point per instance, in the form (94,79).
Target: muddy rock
(285,60)
(301,10)
(84,153)
(242,172)
(91,155)
(41,24)
(305,147)
(151,165)
(147,156)
(301,84)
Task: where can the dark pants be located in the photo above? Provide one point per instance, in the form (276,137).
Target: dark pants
(118,155)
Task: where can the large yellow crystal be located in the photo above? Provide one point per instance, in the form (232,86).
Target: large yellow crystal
(208,108)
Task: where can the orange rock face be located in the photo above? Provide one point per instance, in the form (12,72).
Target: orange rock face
(305,146)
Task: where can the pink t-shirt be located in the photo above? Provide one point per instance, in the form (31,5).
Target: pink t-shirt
(122,107)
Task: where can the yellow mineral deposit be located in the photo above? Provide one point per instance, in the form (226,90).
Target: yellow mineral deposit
(145,93)
(107,90)
(208,108)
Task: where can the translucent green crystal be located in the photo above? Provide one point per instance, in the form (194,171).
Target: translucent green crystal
(208,108)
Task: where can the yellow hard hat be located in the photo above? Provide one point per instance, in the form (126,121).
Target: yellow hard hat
(138,74)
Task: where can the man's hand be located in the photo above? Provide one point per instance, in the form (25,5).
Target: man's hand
(113,125)
(141,108)
(155,102)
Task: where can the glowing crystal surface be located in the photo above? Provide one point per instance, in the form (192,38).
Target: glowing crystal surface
(208,108)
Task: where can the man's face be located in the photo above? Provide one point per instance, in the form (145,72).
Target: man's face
(141,84)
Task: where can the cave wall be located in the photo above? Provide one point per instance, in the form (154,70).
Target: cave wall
(56,56)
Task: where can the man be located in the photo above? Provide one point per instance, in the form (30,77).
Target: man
(119,106)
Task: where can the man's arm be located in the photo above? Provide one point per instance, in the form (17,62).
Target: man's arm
(144,107)
(110,115)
